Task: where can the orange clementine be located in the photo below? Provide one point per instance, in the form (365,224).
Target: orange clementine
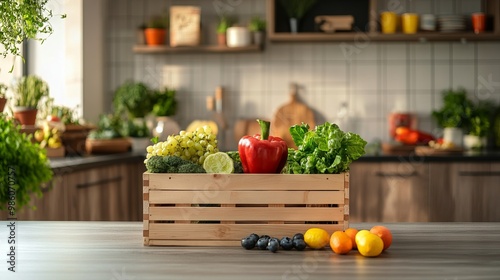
(340,243)
(384,233)
(351,232)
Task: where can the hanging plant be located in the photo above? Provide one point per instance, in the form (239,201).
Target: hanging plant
(22,20)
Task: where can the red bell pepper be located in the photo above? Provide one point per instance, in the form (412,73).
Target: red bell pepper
(262,153)
(412,137)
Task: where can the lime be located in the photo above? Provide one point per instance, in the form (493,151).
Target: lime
(219,162)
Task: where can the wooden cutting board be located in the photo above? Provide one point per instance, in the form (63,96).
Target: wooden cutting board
(292,113)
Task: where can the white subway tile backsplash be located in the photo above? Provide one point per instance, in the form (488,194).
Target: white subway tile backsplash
(365,76)
(488,50)
(463,51)
(374,78)
(464,76)
(421,76)
(395,51)
(396,77)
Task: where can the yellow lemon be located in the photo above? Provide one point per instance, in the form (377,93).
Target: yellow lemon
(316,238)
(369,244)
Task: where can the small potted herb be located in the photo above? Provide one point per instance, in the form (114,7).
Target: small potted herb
(28,93)
(296,9)
(453,116)
(108,137)
(257,26)
(3,100)
(138,133)
(478,125)
(222,27)
(165,106)
(155,32)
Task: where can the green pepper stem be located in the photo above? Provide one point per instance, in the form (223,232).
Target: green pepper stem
(264,129)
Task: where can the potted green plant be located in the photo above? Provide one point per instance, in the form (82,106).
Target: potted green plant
(224,23)
(257,26)
(24,167)
(165,106)
(3,100)
(155,32)
(108,137)
(478,125)
(138,134)
(28,93)
(134,99)
(452,117)
(296,9)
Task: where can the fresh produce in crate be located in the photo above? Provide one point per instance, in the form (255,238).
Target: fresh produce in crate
(325,150)
(262,153)
(192,146)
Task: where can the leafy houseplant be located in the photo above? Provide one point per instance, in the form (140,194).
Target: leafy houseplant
(257,26)
(454,110)
(133,98)
(21,20)
(224,23)
(165,103)
(28,93)
(24,166)
(453,116)
(108,137)
(296,9)
(156,31)
(479,125)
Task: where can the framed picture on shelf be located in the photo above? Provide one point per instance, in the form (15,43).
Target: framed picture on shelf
(185,26)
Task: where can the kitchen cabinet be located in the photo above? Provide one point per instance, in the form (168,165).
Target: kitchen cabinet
(366,26)
(101,192)
(389,192)
(475,192)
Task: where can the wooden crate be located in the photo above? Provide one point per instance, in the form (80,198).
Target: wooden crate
(221,209)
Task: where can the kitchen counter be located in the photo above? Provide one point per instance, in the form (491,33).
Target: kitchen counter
(114,250)
(86,161)
(482,156)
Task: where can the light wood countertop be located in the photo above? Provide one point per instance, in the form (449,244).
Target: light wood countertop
(114,250)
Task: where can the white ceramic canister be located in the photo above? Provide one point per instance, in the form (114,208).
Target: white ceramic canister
(238,36)
(453,135)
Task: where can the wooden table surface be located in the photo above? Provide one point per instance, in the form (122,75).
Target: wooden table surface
(114,250)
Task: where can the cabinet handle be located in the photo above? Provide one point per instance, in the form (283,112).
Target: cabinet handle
(479,173)
(100,182)
(396,174)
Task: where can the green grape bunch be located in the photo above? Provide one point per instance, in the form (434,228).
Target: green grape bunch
(193,146)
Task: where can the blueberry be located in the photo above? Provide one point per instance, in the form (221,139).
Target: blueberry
(254,237)
(299,244)
(286,243)
(273,245)
(248,243)
(262,243)
(298,236)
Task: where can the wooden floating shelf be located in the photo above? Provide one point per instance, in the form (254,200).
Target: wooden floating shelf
(379,37)
(144,49)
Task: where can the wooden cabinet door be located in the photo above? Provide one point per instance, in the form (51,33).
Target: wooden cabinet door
(50,206)
(101,194)
(441,203)
(389,192)
(476,192)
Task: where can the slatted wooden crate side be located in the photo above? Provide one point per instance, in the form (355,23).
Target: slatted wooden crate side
(177,212)
(250,182)
(222,234)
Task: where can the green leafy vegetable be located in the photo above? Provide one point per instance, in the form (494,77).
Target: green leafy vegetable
(24,167)
(325,150)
